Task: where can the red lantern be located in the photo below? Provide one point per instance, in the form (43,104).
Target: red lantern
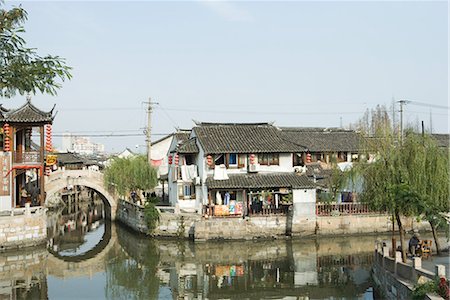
(209,160)
(308,157)
(176,159)
(48,138)
(252,159)
(170,159)
(6,145)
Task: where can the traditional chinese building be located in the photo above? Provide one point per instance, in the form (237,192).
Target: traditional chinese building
(25,141)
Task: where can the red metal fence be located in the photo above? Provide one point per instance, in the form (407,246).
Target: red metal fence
(329,209)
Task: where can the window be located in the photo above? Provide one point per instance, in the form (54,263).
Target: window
(229,160)
(189,159)
(241,161)
(186,191)
(232,159)
(269,159)
(219,159)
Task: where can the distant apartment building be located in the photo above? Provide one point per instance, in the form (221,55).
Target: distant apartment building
(81,145)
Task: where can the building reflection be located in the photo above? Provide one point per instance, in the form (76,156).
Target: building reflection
(259,270)
(135,266)
(68,227)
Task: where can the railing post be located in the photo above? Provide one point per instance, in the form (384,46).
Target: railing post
(27,209)
(440,271)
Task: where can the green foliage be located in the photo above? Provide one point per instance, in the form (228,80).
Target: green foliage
(437,286)
(336,182)
(22,70)
(422,289)
(287,198)
(151,216)
(130,174)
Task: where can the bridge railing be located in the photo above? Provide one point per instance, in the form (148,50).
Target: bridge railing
(20,211)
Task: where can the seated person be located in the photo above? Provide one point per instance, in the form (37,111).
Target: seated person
(414,244)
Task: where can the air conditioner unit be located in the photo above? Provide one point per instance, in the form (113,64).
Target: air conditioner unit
(197,180)
(253,168)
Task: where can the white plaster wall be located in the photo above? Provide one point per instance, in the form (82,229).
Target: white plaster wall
(304,203)
(5,203)
(173,191)
(285,164)
(160,149)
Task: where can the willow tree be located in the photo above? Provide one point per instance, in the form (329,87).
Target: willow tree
(386,183)
(125,175)
(428,175)
(22,69)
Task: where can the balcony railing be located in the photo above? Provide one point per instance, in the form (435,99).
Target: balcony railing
(270,210)
(331,209)
(238,210)
(27,157)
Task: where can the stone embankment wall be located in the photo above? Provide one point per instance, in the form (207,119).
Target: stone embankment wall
(24,227)
(396,279)
(363,224)
(264,227)
(170,225)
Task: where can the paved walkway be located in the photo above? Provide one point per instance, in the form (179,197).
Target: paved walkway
(444,259)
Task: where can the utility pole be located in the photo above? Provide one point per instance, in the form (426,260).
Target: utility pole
(402,102)
(148,130)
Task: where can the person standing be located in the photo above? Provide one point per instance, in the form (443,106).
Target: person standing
(23,196)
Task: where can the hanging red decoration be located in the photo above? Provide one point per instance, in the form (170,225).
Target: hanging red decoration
(6,143)
(252,159)
(176,159)
(170,159)
(48,138)
(308,157)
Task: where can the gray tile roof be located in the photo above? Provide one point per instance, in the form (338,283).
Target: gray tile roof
(323,139)
(181,135)
(442,139)
(67,158)
(27,113)
(218,138)
(188,147)
(271,180)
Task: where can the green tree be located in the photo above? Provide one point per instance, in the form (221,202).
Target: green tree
(385,180)
(125,175)
(406,179)
(22,70)
(428,174)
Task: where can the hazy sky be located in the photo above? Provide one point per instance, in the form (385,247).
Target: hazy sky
(296,63)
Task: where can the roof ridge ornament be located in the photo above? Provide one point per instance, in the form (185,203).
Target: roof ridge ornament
(28,97)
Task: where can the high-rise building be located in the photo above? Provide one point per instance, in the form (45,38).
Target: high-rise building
(81,145)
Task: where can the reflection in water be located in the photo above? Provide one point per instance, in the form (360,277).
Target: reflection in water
(107,261)
(76,228)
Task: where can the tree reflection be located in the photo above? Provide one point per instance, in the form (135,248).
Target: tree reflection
(131,273)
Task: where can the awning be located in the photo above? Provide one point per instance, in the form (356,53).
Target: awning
(24,167)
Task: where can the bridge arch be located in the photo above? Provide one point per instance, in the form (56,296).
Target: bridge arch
(89,263)
(92,179)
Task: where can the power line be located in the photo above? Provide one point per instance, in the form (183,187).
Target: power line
(113,135)
(260,112)
(426,104)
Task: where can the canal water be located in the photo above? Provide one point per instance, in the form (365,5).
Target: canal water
(88,257)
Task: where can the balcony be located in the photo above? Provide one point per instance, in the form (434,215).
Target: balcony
(27,157)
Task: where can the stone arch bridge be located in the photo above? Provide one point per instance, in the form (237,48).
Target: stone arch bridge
(61,179)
